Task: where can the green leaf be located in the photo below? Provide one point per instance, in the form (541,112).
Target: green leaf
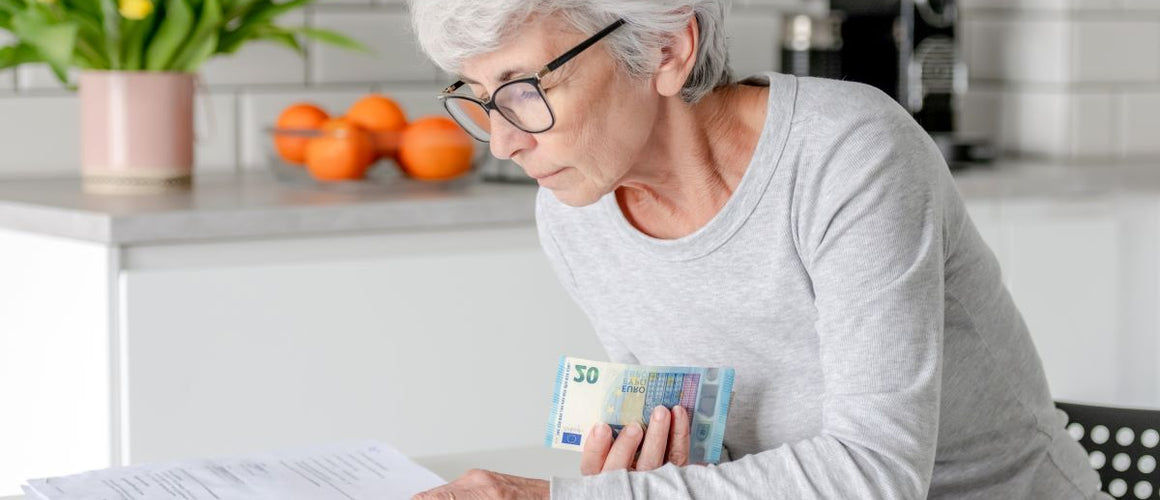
(174,30)
(15,55)
(111,22)
(264,11)
(89,26)
(334,38)
(133,48)
(11,6)
(204,41)
(54,41)
(229,6)
(90,9)
(280,36)
(257,14)
(234,9)
(90,33)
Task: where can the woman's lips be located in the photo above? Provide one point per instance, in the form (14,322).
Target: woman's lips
(546,175)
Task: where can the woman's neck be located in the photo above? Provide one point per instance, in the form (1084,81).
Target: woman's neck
(699,156)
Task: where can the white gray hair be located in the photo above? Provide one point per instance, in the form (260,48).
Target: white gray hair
(451,31)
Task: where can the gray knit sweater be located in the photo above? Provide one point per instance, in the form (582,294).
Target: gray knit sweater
(878,353)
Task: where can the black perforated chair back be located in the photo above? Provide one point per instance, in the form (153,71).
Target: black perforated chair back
(1123,446)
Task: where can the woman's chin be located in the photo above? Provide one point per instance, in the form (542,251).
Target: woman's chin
(573,198)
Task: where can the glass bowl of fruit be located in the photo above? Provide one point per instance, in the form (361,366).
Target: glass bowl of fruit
(372,142)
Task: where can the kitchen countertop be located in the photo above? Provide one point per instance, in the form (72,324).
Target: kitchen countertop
(258,205)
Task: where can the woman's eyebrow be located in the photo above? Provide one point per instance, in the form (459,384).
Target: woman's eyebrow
(507,75)
(503,77)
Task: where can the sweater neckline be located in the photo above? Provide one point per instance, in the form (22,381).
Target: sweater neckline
(743,201)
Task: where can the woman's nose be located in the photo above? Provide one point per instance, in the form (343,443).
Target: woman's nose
(506,139)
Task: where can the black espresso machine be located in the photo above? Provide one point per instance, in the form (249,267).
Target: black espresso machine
(907,48)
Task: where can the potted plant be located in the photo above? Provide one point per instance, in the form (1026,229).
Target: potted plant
(137,61)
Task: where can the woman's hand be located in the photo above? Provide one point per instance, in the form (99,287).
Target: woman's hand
(667,438)
(479,484)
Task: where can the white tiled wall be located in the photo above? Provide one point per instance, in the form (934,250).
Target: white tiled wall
(38,133)
(1072,79)
(259,63)
(1116,51)
(754,43)
(395,52)
(40,77)
(242,94)
(1139,122)
(216,130)
(1017,50)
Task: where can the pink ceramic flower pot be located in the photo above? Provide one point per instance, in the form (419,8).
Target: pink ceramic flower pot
(136,131)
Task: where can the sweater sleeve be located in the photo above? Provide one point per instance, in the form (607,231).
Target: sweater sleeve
(868,219)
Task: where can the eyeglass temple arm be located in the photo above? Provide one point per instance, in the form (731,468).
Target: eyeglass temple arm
(452,88)
(556,63)
(565,57)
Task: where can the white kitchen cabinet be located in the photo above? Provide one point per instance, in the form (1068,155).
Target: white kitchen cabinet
(55,386)
(1061,264)
(436,342)
(439,342)
(1083,273)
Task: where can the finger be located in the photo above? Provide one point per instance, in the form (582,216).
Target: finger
(656,438)
(432,494)
(679,437)
(624,448)
(595,449)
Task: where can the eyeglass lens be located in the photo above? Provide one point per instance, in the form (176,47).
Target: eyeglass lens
(521,103)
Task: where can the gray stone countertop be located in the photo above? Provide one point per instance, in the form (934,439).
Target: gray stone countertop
(225,206)
(259,205)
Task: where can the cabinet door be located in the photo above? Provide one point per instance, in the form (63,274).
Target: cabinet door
(55,383)
(435,342)
(1063,268)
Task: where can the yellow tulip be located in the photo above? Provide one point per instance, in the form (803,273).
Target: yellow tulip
(135,9)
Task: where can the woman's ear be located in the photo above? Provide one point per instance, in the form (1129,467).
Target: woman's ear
(678,58)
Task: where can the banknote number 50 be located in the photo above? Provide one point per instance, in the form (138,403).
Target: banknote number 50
(586,374)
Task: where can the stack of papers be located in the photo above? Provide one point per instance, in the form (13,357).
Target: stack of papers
(368,470)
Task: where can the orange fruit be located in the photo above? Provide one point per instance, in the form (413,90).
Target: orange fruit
(435,148)
(383,117)
(298,116)
(344,151)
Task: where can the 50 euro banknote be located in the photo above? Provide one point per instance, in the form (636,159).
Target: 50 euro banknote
(588,392)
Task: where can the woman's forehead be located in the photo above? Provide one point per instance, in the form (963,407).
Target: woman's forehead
(526,51)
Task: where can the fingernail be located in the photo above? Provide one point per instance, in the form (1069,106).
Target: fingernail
(680,409)
(601,430)
(659,413)
(632,429)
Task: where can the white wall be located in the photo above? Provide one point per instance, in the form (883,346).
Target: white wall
(39,132)
(1068,79)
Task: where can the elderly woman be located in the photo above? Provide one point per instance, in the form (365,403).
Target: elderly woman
(806,232)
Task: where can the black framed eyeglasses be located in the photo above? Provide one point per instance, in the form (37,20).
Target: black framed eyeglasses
(521,102)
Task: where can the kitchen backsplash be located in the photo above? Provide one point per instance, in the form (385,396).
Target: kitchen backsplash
(1067,79)
(1057,78)
(244,94)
